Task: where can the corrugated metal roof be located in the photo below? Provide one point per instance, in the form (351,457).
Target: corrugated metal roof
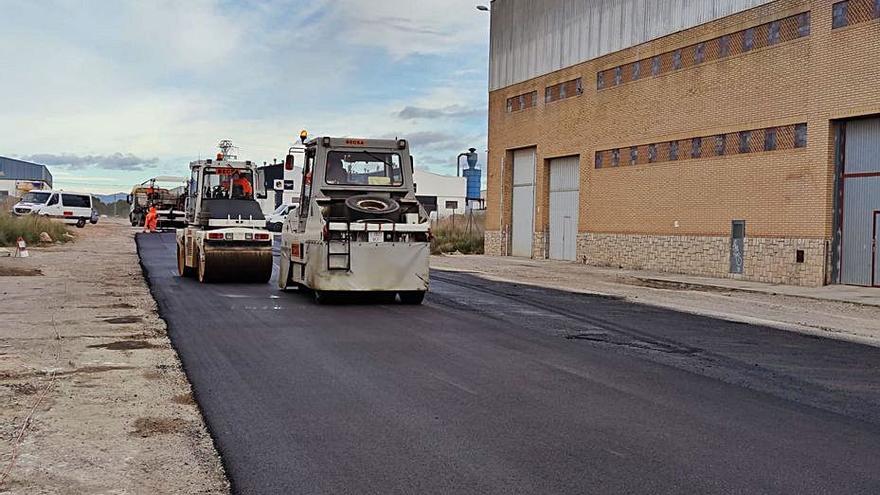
(531,38)
(12,169)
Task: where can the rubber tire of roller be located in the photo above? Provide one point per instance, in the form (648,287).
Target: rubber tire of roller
(412,297)
(200,271)
(357,212)
(182,269)
(322,297)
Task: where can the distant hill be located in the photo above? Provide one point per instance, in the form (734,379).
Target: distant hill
(111,198)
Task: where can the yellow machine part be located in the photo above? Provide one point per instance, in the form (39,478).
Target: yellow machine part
(235,264)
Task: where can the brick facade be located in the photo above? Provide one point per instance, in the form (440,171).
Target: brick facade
(628,213)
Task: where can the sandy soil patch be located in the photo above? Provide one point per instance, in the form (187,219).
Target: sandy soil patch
(92,396)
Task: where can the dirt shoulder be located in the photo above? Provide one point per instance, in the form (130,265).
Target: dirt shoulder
(826,318)
(86,365)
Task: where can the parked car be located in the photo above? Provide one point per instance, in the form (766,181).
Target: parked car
(276,219)
(69,207)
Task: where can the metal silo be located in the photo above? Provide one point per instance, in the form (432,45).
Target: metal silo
(473,176)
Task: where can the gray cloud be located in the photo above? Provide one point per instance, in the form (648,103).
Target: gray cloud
(115,161)
(450,112)
(431,139)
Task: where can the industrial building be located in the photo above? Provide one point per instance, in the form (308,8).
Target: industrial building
(440,195)
(726,138)
(18,177)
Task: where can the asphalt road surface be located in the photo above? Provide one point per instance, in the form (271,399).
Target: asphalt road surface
(500,388)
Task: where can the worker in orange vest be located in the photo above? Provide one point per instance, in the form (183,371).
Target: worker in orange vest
(241,181)
(151,221)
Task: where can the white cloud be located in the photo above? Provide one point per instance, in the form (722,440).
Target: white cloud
(169,79)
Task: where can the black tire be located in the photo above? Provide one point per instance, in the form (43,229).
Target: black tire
(369,206)
(322,297)
(414,297)
(201,271)
(182,269)
(81,223)
(132,218)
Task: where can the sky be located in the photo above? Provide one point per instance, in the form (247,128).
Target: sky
(110,93)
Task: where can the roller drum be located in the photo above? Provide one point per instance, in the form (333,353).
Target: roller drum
(235,264)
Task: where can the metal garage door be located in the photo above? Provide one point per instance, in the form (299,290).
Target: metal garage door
(564,205)
(861,201)
(523,202)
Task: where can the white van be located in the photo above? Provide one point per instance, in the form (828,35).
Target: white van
(30,201)
(276,219)
(71,207)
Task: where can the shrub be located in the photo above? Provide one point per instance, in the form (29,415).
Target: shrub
(459,233)
(29,227)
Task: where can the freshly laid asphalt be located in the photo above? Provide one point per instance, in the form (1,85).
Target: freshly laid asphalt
(492,387)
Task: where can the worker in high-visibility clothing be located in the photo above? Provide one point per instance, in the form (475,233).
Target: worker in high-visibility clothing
(240,181)
(152,220)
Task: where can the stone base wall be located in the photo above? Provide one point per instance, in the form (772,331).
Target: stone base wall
(539,245)
(771,260)
(494,243)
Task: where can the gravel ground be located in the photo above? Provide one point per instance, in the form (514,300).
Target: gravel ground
(89,376)
(839,320)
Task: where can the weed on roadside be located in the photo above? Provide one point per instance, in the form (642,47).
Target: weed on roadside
(29,227)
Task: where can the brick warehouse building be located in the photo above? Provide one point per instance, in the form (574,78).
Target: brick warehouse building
(719,137)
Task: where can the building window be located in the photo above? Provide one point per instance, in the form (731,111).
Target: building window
(563,90)
(521,102)
(676,60)
(618,75)
(745,138)
(599,159)
(652,153)
(452,205)
(615,158)
(720,142)
(633,155)
(700,53)
(748,39)
(773,35)
(696,147)
(839,15)
(803,21)
(655,66)
(673,150)
(876,9)
(770,139)
(725,45)
(579,87)
(600,80)
(800,136)
(637,70)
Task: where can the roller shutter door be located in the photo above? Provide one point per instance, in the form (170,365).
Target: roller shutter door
(564,206)
(523,202)
(861,203)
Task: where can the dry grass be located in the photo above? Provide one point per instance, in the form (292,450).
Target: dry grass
(29,227)
(459,233)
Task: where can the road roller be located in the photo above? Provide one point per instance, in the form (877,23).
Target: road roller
(225,239)
(359,227)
